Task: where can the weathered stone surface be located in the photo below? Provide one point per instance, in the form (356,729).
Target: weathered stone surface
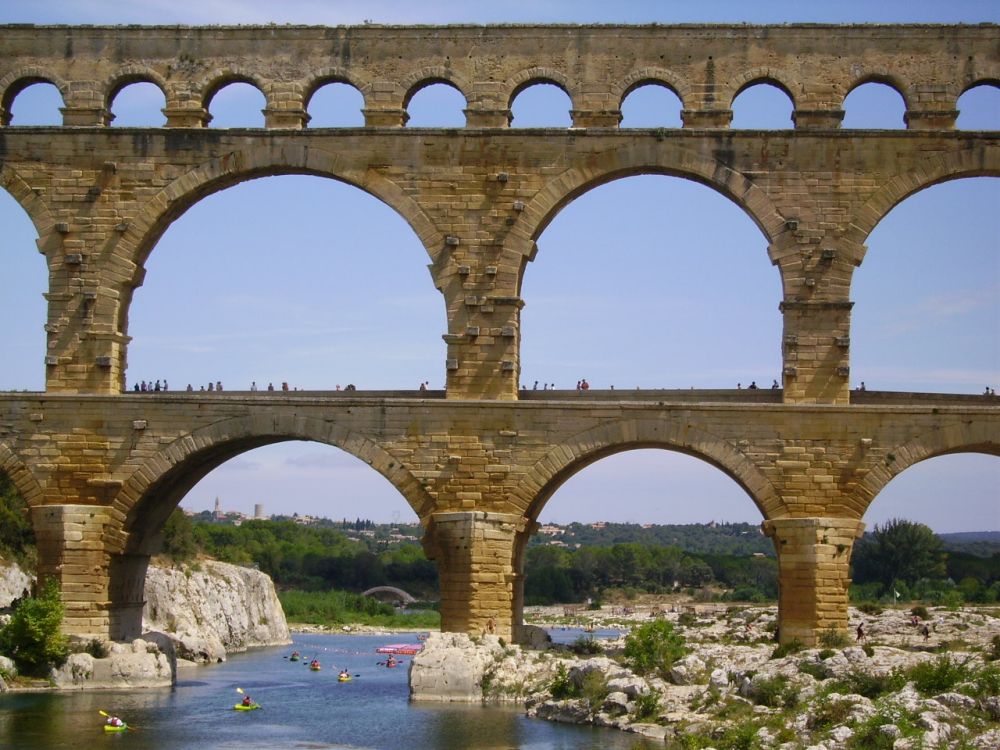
(213,611)
(97,466)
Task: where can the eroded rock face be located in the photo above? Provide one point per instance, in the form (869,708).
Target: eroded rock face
(128,665)
(213,609)
(450,668)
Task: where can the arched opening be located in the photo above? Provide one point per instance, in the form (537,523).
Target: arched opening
(650,282)
(541,104)
(874,105)
(336,105)
(762,105)
(26,280)
(321,523)
(236,104)
(651,105)
(436,105)
(34,102)
(932,538)
(294,279)
(138,105)
(679,531)
(927,298)
(979,108)
(17,539)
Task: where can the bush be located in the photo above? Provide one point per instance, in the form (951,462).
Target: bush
(647,705)
(775,692)
(561,687)
(585,645)
(920,611)
(594,689)
(654,647)
(833,638)
(32,638)
(869,685)
(792,647)
(816,669)
(938,676)
(870,608)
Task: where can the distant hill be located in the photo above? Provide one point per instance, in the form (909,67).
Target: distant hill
(739,539)
(979,543)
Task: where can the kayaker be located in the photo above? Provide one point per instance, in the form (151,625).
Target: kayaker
(344,674)
(114,721)
(314,663)
(247,700)
(391,661)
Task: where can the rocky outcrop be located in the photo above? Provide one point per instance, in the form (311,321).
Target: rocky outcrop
(139,664)
(212,608)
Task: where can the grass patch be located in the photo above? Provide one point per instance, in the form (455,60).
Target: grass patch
(342,608)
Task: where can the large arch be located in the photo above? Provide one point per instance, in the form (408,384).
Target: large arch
(151,493)
(664,158)
(144,231)
(935,170)
(18,473)
(583,449)
(957,437)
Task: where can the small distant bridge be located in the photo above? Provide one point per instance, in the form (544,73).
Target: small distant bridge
(381,592)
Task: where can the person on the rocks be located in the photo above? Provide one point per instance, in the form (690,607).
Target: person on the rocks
(861,631)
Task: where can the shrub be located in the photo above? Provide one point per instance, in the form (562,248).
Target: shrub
(870,608)
(869,650)
(775,692)
(938,676)
(830,713)
(783,650)
(994,652)
(32,638)
(985,682)
(561,687)
(647,705)
(97,648)
(833,638)
(870,685)
(585,645)
(816,669)
(594,689)
(654,647)
(920,611)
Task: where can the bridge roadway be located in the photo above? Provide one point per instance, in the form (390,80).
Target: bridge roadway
(102,472)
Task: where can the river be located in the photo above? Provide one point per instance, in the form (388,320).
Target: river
(301,709)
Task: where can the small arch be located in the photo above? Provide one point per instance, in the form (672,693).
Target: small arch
(18,80)
(764,104)
(979,106)
(543,101)
(421,79)
(650,104)
(333,100)
(578,451)
(33,102)
(435,103)
(652,76)
(871,103)
(247,90)
(139,102)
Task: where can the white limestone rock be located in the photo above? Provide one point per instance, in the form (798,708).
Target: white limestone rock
(214,610)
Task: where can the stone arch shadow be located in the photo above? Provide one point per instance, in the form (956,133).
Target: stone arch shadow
(154,489)
(20,476)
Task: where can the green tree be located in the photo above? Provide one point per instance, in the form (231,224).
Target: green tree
(33,638)
(17,537)
(899,550)
(179,542)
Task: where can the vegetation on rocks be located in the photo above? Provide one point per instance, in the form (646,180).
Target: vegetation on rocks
(32,637)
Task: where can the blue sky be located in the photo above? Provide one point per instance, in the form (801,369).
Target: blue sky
(926,313)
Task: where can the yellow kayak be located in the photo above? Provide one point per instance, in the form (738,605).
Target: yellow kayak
(111,728)
(343,679)
(241,707)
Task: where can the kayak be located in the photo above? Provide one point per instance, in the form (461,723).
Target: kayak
(241,707)
(293,658)
(110,728)
(315,668)
(343,679)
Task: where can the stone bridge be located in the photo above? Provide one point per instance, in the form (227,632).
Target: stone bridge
(102,469)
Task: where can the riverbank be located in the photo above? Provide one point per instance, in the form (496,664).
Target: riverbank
(735,688)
